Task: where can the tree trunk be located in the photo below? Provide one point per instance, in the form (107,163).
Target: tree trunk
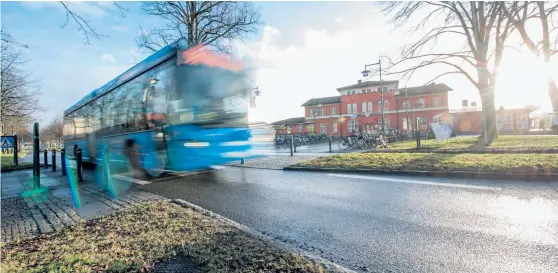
(486,90)
(553,93)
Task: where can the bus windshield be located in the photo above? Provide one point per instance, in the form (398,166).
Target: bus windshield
(210,95)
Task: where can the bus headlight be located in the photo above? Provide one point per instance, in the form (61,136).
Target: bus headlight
(195,144)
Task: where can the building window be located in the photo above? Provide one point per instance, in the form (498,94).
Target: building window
(363,91)
(379,89)
(323,128)
(386,105)
(406,104)
(355,109)
(386,123)
(300,128)
(333,110)
(436,102)
(334,127)
(385,88)
(368,90)
(379,105)
(421,103)
(370,107)
(289,129)
(349,109)
(363,107)
(406,124)
(351,125)
(311,128)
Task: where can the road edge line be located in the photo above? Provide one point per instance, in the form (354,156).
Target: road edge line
(536,177)
(328,265)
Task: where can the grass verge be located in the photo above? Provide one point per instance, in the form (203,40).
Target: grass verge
(514,163)
(135,239)
(472,143)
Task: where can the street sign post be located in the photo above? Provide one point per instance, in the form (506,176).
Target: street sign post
(10,142)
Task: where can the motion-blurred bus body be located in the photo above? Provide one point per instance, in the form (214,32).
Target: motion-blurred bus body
(184,110)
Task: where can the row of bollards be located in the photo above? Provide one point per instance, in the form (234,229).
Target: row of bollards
(37,164)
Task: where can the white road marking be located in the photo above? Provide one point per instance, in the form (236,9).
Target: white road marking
(130,179)
(409,181)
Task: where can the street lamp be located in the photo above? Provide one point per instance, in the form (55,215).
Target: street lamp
(365,73)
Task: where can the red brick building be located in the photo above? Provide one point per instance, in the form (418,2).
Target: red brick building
(359,108)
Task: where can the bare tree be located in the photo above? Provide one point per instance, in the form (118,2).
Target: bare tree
(83,25)
(519,13)
(479,30)
(19,96)
(215,23)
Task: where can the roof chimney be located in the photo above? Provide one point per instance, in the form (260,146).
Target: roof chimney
(359,81)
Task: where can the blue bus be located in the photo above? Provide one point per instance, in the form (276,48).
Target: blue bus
(178,110)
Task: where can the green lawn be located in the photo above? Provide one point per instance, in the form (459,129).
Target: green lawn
(517,163)
(471,143)
(8,159)
(136,239)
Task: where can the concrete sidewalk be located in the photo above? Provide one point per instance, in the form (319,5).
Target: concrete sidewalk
(26,217)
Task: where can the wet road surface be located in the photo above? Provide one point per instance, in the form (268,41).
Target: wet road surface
(389,223)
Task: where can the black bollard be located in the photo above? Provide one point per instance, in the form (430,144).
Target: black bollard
(79,163)
(16,147)
(53,160)
(46,158)
(63,163)
(330,144)
(36,163)
(292,144)
(417,137)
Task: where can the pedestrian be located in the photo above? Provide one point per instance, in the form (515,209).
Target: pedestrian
(133,155)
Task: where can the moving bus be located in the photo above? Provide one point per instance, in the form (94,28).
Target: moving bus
(181,109)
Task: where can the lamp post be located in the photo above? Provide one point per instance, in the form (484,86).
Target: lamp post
(365,73)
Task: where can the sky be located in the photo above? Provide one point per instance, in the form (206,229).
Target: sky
(302,50)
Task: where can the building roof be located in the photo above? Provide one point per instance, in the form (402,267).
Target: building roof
(365,84)
(425,89)
(289,121)
(325,100)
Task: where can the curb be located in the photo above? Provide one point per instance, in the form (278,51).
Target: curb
(329,266)
(473,151)
(553,177)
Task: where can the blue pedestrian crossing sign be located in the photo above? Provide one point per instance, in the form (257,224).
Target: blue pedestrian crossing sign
(7,142)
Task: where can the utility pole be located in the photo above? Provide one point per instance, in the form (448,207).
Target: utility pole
(365,73)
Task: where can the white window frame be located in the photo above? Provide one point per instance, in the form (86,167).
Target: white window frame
(437,102)
(333,110)
(422,102)
(355,109)
(349,108)
(386,105)
(386,122)
(351,126)
(380,106)
(323,128)
(370,107)
(364,107)
(300,128)
(334,127)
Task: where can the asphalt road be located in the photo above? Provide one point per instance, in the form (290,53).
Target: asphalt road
(389,223)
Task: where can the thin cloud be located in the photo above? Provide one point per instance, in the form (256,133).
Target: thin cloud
(108,58)
(339,19)
(121,28)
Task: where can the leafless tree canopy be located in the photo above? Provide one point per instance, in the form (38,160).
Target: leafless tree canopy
(217,24)
(479,31)
(19,95)
(519,13)
(83,24)
(53,132)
